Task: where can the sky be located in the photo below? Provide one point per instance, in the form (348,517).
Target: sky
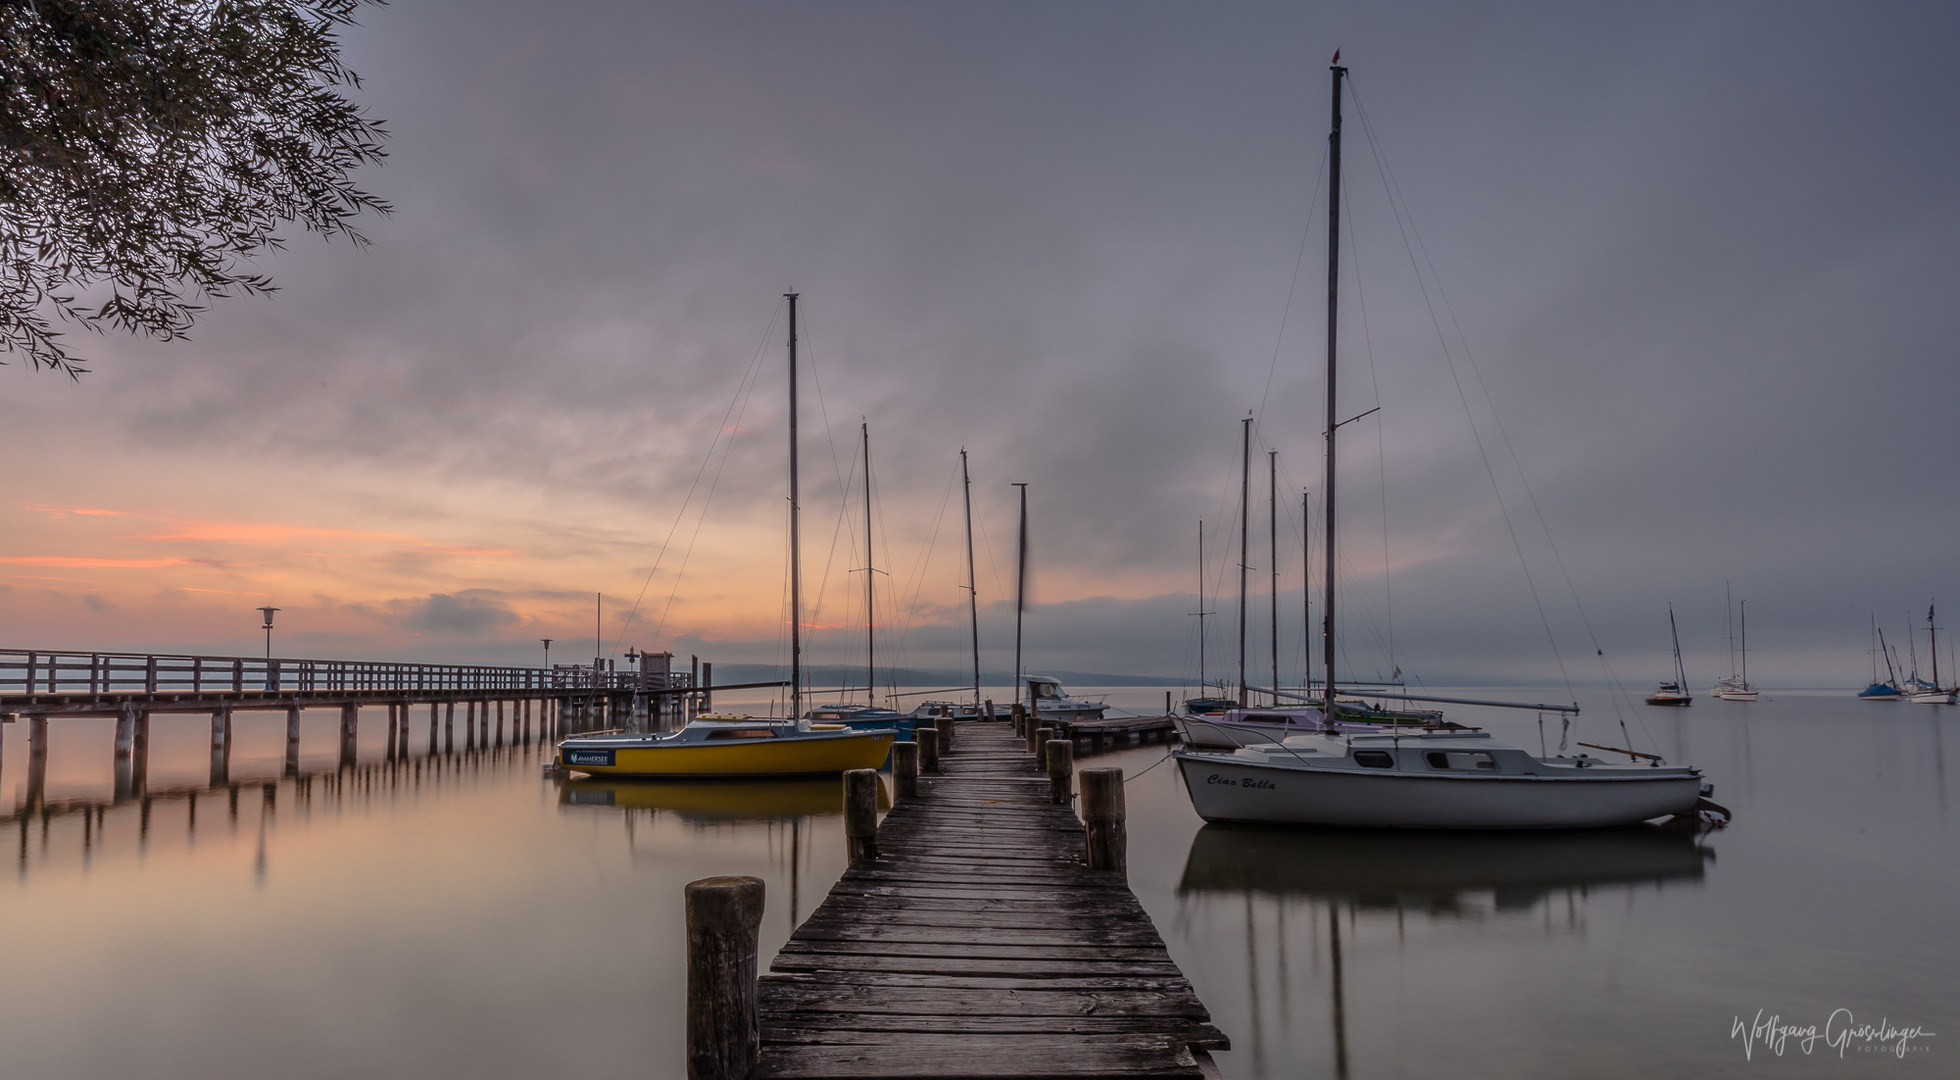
(1654,301)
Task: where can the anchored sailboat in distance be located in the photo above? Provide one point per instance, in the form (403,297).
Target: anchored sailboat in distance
(1733,687)
(1934,694)
(1676,692)
(1889,689)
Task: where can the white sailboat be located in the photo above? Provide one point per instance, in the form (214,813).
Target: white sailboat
(1934,694)
(1734,687)
(1414,778)
(1676,692)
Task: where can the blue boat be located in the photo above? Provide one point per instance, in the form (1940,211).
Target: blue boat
(1889,689)
(864,718)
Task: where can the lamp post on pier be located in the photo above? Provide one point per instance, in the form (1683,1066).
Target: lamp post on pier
(267,612)
(547,652)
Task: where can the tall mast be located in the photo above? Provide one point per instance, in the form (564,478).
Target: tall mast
(1306,587)
(972,583)
(1021,592)
(1201,608)
(1745,644)
(870,609)
(1933,643)
(1333,425)
(1728,607)
(1245,535)
(1680,673)
(795,538)
(1272,544)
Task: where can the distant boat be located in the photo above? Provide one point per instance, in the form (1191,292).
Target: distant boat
(1053,702)
(1933,694)
(1889,689)
(1736,687)
(1676,692)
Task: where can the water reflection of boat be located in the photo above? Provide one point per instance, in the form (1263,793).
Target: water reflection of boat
(711,800)
(1424,869)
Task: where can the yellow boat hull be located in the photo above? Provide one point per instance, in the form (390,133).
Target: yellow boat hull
(743,757)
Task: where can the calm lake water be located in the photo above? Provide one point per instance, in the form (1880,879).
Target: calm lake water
(469,916)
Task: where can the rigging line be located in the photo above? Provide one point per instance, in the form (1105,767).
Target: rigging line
(1463,396)
(823,410)
(1381,444)
(1504,437)
(1299,257)
(705,459)
(830,559)
(924,564)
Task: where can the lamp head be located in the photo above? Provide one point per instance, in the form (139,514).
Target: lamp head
(267,612)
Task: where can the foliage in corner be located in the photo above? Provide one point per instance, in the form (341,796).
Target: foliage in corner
(149,149)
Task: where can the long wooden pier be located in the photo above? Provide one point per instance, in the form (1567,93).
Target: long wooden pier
(979,943)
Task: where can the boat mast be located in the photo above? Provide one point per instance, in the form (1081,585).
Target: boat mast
(972,584)
(1201,608)
(870,610)
(1333,309)
(1680,673)
(1021,595)
(1245,536)
(1272,545)
(1933,643)
(795,538)
(1306,587)
(1728,607)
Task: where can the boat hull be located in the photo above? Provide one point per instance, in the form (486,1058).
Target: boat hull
(1670,699)
(1225,790)
(806,756)
(1737,695)
(1933,697)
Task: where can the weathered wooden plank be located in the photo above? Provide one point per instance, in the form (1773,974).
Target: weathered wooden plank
(977,1055)
(938,995)
(816,1027)
(997,950)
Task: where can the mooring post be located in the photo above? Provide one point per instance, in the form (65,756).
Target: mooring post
(861,814)
(989,714)
(944,723)
(928,742)
(1061,770)
(1019,713)
(1038,742)
(1102,820)
(1033,725)
(724,1030)
(905,770)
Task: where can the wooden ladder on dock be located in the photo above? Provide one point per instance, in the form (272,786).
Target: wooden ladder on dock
(979,943)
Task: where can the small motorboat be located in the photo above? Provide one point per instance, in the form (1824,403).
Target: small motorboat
(725,745)
(864,718)
(1051,702)
(1205,706)
(1444,779)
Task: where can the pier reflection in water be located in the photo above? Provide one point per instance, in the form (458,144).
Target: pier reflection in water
(417,911)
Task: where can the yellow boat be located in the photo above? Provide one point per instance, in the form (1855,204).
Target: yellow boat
(729,746)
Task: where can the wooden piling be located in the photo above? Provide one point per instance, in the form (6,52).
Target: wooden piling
(126,731)
(1061,770)
(943,723)
(221,728)
(905,770)
(861,815)
(928,740)
(1019,713)
(1038,743)
(724,918)
(1102,820)
(449,728)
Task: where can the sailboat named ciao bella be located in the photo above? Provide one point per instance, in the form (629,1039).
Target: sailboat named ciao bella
(1426,777)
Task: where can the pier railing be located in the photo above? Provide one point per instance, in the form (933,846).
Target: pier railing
(57,673)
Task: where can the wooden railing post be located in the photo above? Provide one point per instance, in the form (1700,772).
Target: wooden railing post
(861,814)
(1102,820)
(724,1030)
(905,770)
(1038,742)
(928,740)
(1020,715)
(944,723)
(1061,770)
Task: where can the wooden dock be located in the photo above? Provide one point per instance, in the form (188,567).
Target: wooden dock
(979,943)
(1115,731)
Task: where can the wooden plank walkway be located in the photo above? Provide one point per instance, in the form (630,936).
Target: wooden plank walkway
(980,944)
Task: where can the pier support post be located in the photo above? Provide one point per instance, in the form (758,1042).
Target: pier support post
(221,728)
(1020,715)
(449,728)
(724,1030)
(37,736)
(943,723)
(1102,820)
(37,762)
(928,742)
(989,714)
(861,814)
(350,724)
(1061,770)
(500,722)
(292,724)
(469,725)
(125,732)
(905,770)
(1038,742)
(1031,726)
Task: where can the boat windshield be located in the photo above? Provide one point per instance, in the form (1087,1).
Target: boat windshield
(743,733)
(1046,689)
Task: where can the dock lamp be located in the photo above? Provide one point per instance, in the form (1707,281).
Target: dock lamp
(267,612)
(547,651)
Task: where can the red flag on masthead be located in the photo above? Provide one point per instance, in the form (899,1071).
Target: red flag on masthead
(1337,56)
